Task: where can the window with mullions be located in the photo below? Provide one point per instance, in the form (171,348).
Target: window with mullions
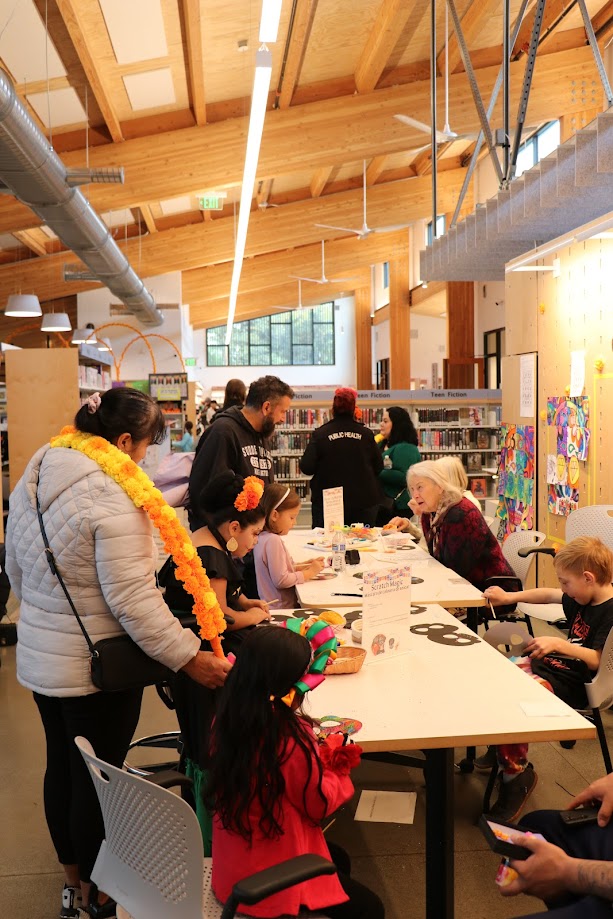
(440,229)
(536,147)
(303,336)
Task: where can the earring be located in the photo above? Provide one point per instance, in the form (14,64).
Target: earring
(232,544)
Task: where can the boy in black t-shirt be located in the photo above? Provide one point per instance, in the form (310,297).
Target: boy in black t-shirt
(585,570)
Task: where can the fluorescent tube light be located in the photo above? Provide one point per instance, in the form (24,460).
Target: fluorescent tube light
(269,21)
(535,268)
(537,253)
(259,100)
(594,229)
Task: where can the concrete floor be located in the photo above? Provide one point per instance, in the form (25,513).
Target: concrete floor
(387,857)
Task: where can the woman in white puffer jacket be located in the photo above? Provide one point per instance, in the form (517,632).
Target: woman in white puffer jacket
(104,549)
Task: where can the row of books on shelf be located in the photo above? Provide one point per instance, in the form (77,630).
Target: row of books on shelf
(301,487)
(92,378)
(456,439)
(297,441)
(469,415)
(473,462)
(287,466)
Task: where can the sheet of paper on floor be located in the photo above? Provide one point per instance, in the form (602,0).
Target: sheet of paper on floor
(386,806)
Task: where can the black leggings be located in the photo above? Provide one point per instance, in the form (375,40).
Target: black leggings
(362,903)
(108,721)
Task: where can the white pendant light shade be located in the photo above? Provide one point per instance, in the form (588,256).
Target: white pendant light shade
(84,336)
(24,306)
(55,322)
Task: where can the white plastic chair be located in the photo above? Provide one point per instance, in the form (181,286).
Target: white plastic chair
(596,520)
(548,612)
(151,861)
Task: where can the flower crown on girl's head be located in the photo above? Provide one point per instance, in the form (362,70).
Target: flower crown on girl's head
(249,498)
(323,643)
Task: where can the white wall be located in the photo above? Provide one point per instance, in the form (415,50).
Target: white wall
(489,310)
(380,294)
(342,373)
(94,306)
(428,346)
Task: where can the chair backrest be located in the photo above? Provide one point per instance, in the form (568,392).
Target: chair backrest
(510,638)
(600,690)
(596,520)
(514,542)
(151,861)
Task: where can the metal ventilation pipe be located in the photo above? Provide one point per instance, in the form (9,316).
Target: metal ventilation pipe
(35,174)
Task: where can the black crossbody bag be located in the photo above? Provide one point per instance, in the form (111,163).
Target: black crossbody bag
(116,663)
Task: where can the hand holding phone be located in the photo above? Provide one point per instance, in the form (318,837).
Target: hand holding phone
(499,837)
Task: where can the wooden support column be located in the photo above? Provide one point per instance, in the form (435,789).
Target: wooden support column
(400,324)
(460,372)
(363,337)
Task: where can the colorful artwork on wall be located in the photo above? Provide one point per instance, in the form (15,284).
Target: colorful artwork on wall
(570,416)
(516,478)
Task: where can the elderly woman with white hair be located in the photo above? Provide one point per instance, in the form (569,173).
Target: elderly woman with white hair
(454,529)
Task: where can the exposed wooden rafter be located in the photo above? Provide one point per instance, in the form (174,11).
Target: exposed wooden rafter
(296,47)
(320,180)
(202,243)
(472,21)
(387,28)
(361,125)
(192,14)
(33,239)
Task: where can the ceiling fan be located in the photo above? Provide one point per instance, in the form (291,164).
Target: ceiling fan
(364,230)
(322,280)
(446,135)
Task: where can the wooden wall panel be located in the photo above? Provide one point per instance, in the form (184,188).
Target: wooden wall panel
(460,332)
(363,337)
(569,312)
(42,394)
(400,324)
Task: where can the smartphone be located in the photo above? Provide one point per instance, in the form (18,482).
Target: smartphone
(583,816)
(498,836)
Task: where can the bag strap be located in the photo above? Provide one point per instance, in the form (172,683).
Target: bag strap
(52,565)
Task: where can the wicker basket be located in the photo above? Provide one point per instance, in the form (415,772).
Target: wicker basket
(348,660)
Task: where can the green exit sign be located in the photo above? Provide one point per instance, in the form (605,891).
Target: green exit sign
(210,203)
(190,361)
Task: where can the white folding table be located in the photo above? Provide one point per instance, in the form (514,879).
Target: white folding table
(437,697)
(437,583)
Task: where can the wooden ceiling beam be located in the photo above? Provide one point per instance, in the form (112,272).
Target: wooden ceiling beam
(554,12)
(298,41)
(147,215)
(272,229)
(343,257)
(375,168)
(338,131)
(204,315)
(78,30)
(472,21)
(192,15)
(32,239)
(392,17)
(264,192)
(320,180)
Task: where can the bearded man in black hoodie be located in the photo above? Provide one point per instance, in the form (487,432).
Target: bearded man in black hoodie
(238,439)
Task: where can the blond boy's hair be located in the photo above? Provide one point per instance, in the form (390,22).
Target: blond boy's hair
(586,553)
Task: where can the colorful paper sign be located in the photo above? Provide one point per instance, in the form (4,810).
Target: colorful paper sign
(385,613)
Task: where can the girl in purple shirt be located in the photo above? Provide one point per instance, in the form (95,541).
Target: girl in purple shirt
(276,573)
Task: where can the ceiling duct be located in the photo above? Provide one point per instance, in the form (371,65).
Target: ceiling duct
(34,173)
(570,187)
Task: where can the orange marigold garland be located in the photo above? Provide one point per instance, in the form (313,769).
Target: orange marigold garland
(251,495)
(139,487)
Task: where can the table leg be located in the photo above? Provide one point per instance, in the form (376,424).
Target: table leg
(439,834)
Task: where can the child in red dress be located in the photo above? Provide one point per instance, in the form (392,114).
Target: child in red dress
(271,784)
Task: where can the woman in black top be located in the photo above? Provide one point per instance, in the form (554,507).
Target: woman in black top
(343,452)
(230,533)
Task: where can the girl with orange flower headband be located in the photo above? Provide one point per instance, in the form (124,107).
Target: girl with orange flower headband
(231,507)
